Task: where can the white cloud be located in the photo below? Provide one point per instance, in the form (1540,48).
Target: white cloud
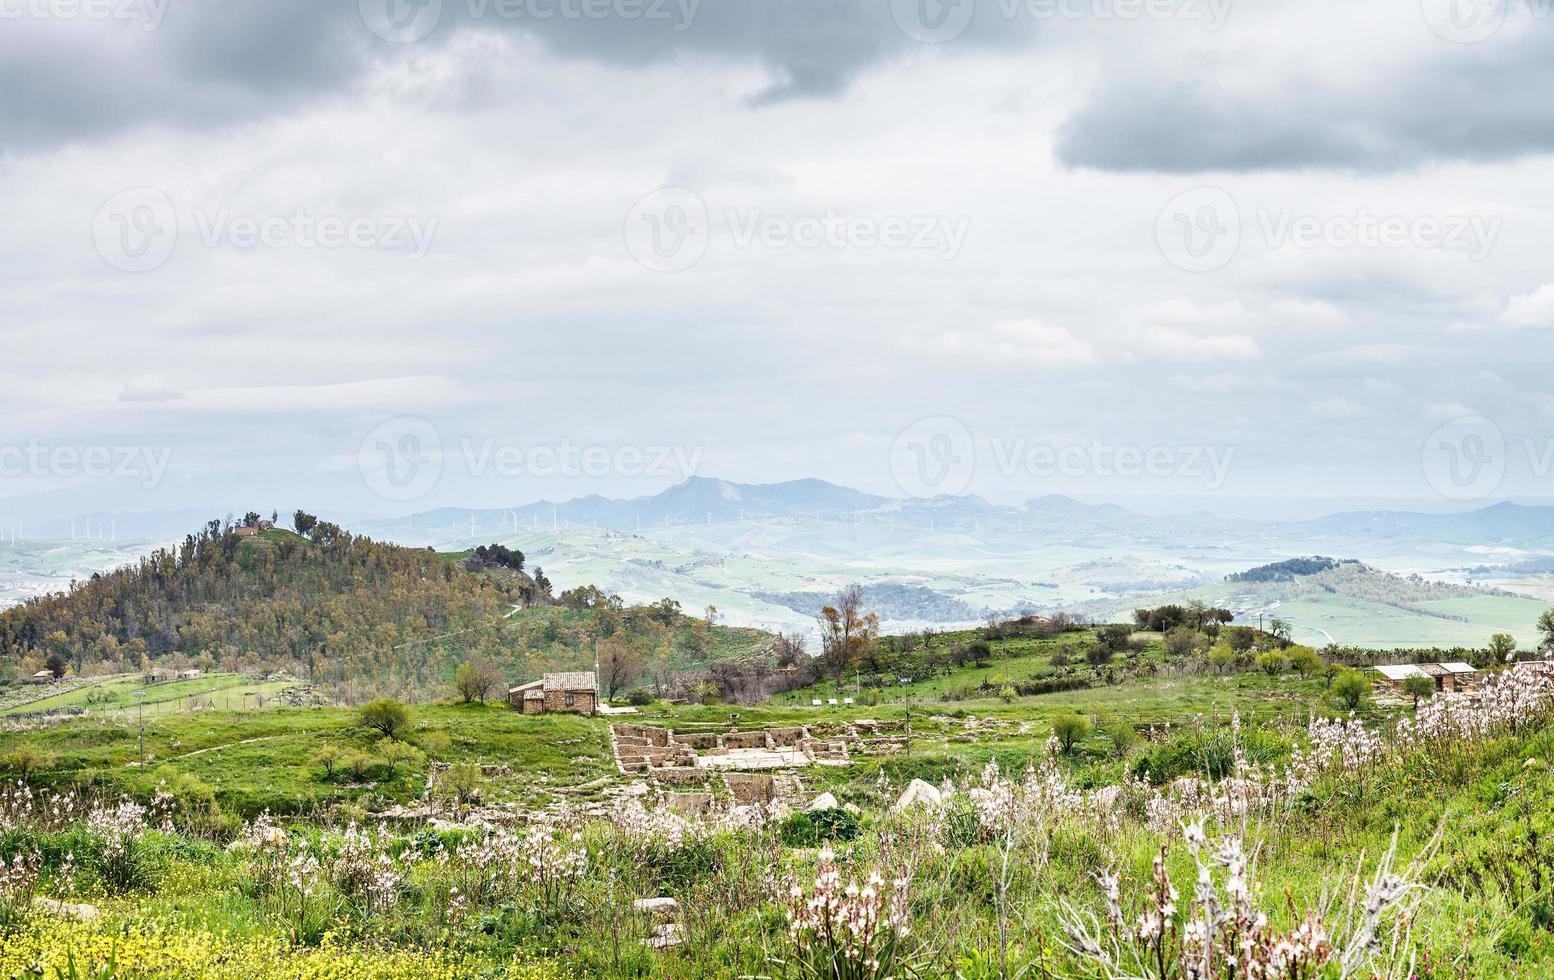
(1011,342)
(1169,342)
(1534,310)
(1308,313)
(149,388)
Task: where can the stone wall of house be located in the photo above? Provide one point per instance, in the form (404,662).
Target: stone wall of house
(582,702)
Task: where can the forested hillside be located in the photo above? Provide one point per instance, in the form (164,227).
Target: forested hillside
(352,615)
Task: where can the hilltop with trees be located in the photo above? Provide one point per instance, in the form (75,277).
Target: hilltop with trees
(353,616)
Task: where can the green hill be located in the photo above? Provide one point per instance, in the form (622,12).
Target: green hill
(350,615)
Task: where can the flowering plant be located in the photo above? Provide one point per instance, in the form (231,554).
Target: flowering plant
(847,931)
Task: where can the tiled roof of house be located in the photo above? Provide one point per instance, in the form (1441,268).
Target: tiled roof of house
(580,680)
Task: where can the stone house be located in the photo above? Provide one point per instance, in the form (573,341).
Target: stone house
(572,692)
(1453,677)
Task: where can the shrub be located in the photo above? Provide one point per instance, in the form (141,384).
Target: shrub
(190,800)
(385,715)
(811,828)
(1209,752)
(24,760)
(1050,685)
(1184,642)
(639,697)
(1123,738)
(1070,729)
(1113,636)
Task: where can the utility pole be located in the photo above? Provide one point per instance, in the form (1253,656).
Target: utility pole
(140,698)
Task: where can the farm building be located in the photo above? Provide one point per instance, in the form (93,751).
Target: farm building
(41,677)
(573,692)
(1447,677)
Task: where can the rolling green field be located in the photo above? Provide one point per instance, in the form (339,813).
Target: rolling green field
(120,694)
(474,841)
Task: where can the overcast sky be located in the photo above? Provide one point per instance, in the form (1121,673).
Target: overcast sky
(382,256)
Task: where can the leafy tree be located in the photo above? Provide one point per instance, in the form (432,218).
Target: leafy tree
(496,556)
(393,753)
(1069,730)
(56,664)
(1351,688)
(1546,627)
(385,715)
(1305,660)
(1222,658)
(304,522)
(459,783)
(1099,654)
(1502,646)
(1419,687)
(1279,630)
(329,758)
(1272,663)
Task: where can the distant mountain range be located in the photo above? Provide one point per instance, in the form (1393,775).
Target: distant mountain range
(768,555)
(705,500)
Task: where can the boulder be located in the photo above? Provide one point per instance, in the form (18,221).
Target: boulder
(664,936)
(68,910)
(919,793)
(658,908)
(825,801)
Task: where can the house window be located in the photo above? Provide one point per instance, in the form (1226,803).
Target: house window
(568,700)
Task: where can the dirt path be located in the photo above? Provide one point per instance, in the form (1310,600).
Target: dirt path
(228,745)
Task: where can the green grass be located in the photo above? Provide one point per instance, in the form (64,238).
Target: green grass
(119,693)
(258,760)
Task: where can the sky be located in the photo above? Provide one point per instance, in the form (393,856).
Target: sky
(388,255)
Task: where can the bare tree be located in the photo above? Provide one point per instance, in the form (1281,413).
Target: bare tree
(846,632)
(620,664)
(477,678)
